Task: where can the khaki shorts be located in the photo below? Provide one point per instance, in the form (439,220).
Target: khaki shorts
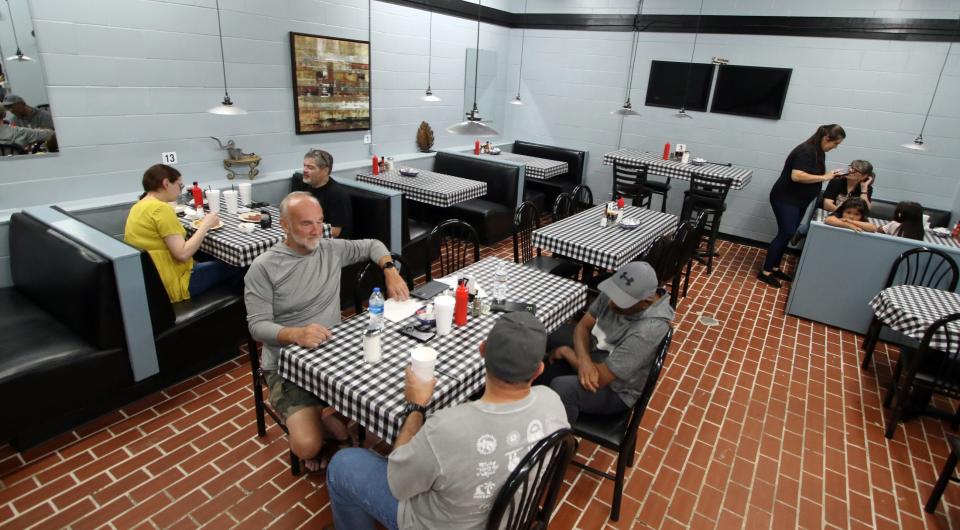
(287,398)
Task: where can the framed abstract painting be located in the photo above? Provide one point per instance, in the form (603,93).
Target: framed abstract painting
(331,83)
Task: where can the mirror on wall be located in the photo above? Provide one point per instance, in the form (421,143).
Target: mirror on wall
(489,86)
(26,124)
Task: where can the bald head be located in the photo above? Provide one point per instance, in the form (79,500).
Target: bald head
(293,199)
(302,220)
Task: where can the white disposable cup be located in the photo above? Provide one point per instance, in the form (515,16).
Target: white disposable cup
(423,359)
(246,193)
(443,312)
(372,348)
(230,198)
(213,200)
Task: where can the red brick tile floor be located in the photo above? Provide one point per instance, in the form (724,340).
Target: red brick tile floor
(762,421)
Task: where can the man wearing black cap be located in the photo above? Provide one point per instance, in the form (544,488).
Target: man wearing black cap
(446,473)
(603,367)
(27,116)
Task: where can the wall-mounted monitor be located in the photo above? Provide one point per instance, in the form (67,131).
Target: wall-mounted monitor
(665,87)
(754,91)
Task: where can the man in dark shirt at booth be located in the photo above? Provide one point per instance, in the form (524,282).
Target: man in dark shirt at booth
(333,198)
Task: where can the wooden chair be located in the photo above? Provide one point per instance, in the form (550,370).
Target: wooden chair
(629,182)
(454,238)
(525,221)
(263,408)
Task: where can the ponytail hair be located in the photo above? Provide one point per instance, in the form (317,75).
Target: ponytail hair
(910,216)
(154,175)
(831,132)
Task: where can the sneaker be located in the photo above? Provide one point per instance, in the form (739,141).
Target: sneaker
(780,275)
(768,279)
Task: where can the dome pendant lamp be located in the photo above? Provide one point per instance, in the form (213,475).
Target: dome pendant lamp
(473,125)
(19,56)
(226,107)
(627,108)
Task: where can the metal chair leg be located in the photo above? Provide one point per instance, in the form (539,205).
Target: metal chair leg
(618,487)
(257,387)
(941,485)
(870,341)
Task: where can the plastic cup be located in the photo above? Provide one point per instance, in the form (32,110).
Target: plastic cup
(230,199)
(246,193)
(443,312)
(213,200)
(372,346)
(423,359)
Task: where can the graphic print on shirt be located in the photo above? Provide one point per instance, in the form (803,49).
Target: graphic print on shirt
(486,444)
(535,430)
(487,469)
(513,438)
(513,458)
(485,490)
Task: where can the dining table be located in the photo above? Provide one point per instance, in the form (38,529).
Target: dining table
(739,177)
(234,247)
(373,394)
(535,167)
(581,237)
(429,187)
(912,309)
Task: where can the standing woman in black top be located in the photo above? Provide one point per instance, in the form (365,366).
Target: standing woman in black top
(799,184)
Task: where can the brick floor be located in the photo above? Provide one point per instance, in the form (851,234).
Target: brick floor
(764,421)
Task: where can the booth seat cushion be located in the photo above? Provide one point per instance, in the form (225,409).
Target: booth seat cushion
(491,220)
(503,180)
(881,209)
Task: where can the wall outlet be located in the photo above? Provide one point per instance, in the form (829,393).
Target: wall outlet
(367,138)
(169,158)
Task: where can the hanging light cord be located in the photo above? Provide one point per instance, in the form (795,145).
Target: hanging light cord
(476,62)
(523,35)
(223,61)
(430,51)
(939,77)
(633,51)
(13,26)
(696,34)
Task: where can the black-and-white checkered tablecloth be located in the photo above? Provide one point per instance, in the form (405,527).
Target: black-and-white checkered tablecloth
(372,394)
(912,309)
(580,236)
(230,245)
(428,187)
(928,236)
(536,168)
(738,176)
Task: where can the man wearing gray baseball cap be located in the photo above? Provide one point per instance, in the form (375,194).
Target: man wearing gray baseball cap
(601,365)
(446,473)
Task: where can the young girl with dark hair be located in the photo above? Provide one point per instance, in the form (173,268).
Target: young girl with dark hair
(799,184)
(907,221)
(852,214)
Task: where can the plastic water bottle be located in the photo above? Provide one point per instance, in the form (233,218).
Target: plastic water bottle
(500,283)
(376,310)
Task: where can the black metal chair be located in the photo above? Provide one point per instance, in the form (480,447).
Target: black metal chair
(582,198)
(562,207)
(926,370)
(371,275)
(946,475)
(11,149)
(706,195)
(525,221)
(629,182)
(661,188)
(526,500)
(261,407)
(927,267)
(619,431)
(692,235)
(454,238)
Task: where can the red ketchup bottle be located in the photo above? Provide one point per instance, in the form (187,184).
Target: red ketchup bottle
(476,147)
(956,230)
(620,202)
(462,301)
(376,165)
(197,197)
(666,151)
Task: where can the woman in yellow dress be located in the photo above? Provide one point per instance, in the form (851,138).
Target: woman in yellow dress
(152,225)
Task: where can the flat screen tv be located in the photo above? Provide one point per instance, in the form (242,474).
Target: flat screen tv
(665,87)
(755,91)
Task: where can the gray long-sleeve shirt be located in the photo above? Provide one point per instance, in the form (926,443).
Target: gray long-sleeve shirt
(287,289)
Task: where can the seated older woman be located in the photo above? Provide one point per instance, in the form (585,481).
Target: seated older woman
(858,183)
(152,225)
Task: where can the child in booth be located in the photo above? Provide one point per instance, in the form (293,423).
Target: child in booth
(907,221)
(852,214)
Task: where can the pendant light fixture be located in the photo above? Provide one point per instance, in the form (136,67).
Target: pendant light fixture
(19,56)
(428,95)
(627,108)
(473,125)
(523,37)
(682,113)
(226,107)
(917,143)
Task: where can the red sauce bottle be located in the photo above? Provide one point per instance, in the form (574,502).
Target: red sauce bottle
(376,165)
(666,151)
(956,230)
(620,202)
(462,303)
(197,197)
(476,147)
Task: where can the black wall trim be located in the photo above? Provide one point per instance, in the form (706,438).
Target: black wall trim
(911,29)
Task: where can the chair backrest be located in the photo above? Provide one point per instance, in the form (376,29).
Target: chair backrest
(662,256)
(641,405)
(562,207)
(371,275)
(525,220)
(927,267)
(628,180)
(526,500)
(708,188)
(503,180)
(938,357)
(582,198)
(11,149)
(453,238)
(574,158)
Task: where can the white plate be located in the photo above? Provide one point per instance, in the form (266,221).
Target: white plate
(629,224)
(250,217)
(941,231)
(196,224)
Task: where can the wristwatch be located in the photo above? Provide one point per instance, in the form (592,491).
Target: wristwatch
(414,407)
(389,265)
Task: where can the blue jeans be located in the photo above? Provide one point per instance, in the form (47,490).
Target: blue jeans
(359,492)
(788,220)
(208,274)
